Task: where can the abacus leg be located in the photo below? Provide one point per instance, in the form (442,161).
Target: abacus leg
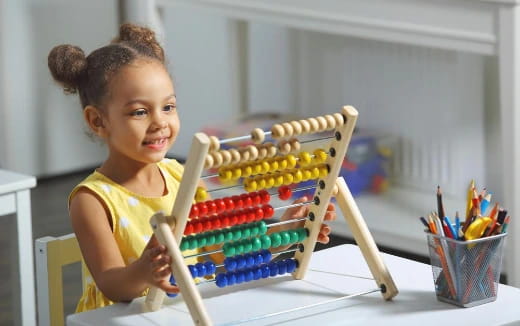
(364,240)
(183,277)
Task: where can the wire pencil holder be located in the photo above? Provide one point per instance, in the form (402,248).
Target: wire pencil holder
(466,273)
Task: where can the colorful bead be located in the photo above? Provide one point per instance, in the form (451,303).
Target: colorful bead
(285,238)
(276,240)
(305,158)
(201,269)
(221,280)
(290,264)
(291,161)
(273,269)
(268,211)
(266,241)
(210,267)
(194,211)
(284,193)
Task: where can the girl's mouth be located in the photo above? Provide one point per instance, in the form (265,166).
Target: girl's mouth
(156,143)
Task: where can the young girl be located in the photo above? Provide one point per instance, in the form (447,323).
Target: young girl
(128,101)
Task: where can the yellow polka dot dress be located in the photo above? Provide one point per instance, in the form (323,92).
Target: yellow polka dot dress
(130,214)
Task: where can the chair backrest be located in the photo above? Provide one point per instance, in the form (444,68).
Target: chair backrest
(52,254)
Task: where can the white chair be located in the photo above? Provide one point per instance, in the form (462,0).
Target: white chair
(52,254)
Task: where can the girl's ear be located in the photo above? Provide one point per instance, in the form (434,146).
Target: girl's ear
(94,119)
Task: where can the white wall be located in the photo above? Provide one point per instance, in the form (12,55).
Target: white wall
(42,129)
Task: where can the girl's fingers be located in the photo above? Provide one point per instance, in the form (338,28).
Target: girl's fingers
(325,229)
(167,287)
(322,238)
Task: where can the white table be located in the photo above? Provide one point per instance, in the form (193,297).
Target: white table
(485,27)
(15,199)
(416,303)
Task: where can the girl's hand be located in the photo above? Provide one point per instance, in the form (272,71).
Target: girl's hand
(303,211)
(155,265)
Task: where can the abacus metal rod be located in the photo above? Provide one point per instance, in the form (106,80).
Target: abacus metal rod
(206,253)
(316,139)
(302,308)
(293,205)
(239,138)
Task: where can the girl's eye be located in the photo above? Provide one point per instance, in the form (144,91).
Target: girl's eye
(169,108)
(138,113)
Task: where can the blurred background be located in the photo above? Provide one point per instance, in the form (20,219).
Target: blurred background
(433,107)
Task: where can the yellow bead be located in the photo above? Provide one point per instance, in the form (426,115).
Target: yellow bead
(315,173)
(250,185)
(282,164)
(257,168)
(291,161)
(237,173)
(305,158)
(320,155)
(201,194)
(287,179)
(265,167)
(269,182)
(324,171)
(297,176)
(273,166)
(260,183)
(224,175)
(307,175)
(278,180)
(247,170)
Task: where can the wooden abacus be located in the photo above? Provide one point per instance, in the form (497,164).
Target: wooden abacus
(261,166)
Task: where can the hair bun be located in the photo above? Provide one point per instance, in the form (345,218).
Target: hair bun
(141,36)
(67,63)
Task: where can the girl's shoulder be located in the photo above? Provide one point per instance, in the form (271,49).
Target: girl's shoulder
(95,182)
(172,167)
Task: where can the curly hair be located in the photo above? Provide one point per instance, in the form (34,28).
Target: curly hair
(90,75)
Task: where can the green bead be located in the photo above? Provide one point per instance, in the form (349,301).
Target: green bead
(303,234)
(184,244)
(210,239)
(255,230)
(286,238)
(266,241)
(256,244)
(263,227)
(246,232)
(237,234)
(239,248)
(202,240)
(194,243)
(248,246)
(228,249)
(219,236)
(294,236)
(228,235)
(276,240)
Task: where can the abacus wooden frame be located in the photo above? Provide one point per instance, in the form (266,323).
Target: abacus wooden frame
(163,226)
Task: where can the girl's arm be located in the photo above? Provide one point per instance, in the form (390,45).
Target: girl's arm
(118,282)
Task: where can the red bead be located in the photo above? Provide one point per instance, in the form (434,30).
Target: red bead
(206,225)
(284,192)
(194,211)
(242,217)
(215,223)
(268,211)
(266,197)
(197,227)
(212,207)
(233,219)
(224,220)
(256,198)
(221,206)
(203,209)
(251,215)
(188,229)
(259,214)
(247,200)
(239,203)
(230,204)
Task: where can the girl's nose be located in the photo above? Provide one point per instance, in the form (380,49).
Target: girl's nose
(159,121)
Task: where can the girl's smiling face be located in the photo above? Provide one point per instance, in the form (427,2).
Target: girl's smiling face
(140,120)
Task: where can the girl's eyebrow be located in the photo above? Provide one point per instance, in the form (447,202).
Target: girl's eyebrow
(169,97)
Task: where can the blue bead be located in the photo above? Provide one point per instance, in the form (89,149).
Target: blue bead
(221,280)
(172,282)
(241,262)
(193,270)
(201,269)
(282,267)
(258,258)
(240,277)
(266,255)
(265,271)
(231,278)
(230,263)
(250,260)
(249,276)
(210,267)
(291,265)
(257,273)
(273,269)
